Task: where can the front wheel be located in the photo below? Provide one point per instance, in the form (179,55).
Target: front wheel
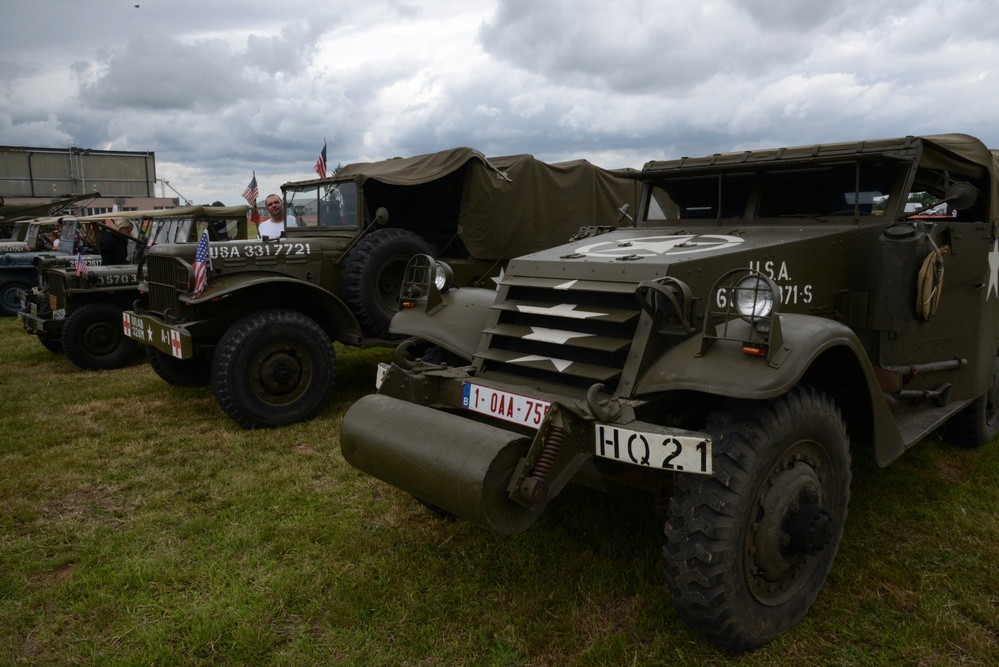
(749,548)
(93,338)
(10,301)
(273,367)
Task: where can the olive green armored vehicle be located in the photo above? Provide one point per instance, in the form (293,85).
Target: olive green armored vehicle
(80,312)
(774,312)
(264,325)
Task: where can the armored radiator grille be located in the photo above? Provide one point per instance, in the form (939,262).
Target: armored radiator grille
(164,275)
(575,333)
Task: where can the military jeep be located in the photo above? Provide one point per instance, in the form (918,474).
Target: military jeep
(80,313)
(262,328)
(773,312)
(17,258)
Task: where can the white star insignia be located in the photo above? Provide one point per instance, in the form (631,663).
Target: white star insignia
(993,271)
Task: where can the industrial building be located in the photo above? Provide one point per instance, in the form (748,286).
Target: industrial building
(120,180)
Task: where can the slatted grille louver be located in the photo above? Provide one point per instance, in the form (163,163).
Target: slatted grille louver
(573,333)
(161,275)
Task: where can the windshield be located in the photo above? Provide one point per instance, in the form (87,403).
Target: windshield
(813,191)
(325,205)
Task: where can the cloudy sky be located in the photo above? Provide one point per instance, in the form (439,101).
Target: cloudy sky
(220,88)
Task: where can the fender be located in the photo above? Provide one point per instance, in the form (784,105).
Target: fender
(456,323)
(292,293)
(724,370)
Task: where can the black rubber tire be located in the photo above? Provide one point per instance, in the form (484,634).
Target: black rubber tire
(9,301)
(372,276)
(273,367)
(93,338)
(729,574)
(51,342)
(195,372)
(978,422)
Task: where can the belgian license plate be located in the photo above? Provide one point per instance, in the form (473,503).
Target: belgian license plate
(503,404)
(672,450)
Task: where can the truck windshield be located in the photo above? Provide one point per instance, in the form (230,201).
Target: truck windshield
(841,189)
(325,205)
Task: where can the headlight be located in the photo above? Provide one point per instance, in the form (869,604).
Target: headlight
(443,277)
(754,298)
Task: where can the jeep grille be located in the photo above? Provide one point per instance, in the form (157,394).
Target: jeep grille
(577,333)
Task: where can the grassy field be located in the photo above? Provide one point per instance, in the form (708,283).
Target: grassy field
(140,526)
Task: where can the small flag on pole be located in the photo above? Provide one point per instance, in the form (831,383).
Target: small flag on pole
(81,266)
(202,264)
(250,194)
(321,162)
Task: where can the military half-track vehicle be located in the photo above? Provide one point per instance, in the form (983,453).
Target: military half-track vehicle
(263,327)
(773,312)
(80,313)
(17,258)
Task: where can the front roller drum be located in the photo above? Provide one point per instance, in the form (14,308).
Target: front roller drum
(454,463)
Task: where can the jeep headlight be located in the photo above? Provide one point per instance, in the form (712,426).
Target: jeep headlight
(754,298)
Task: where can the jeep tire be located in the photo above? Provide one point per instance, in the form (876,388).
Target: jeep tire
(9,301)
(93,337)
(273,367)
(748,548)
(373,273)
(195,372)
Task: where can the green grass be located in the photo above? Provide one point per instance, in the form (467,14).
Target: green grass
(140,526)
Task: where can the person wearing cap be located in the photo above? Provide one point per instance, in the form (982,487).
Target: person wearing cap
(114,247)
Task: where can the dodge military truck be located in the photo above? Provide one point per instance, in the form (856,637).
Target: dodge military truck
(262,328)
(80,313)
(773,312)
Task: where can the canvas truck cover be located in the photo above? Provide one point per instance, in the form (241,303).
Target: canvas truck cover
(515,204)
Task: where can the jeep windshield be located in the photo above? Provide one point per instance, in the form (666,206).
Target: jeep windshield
(331,205)
(844,189)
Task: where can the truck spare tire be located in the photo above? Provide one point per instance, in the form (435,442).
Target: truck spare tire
(373,275)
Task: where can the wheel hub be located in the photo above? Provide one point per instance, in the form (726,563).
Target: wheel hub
(280,373)
(789,527)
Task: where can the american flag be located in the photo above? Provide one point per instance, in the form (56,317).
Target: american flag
(321,162)
(202,265)
(251,192)
(81,266)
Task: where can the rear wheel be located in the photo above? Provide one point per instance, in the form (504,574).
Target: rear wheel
(978,422)
(94,339)
(749,547)
(273,367)
(179,372)
(10,302)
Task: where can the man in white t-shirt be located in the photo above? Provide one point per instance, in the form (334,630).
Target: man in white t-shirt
(275,225)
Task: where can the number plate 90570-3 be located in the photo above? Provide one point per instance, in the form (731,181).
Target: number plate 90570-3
(678,451)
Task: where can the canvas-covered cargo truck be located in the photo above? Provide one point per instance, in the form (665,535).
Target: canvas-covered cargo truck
(262,329)
(774,312)
(80,312)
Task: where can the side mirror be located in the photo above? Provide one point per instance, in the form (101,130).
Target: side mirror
(960,195)
(381,216)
